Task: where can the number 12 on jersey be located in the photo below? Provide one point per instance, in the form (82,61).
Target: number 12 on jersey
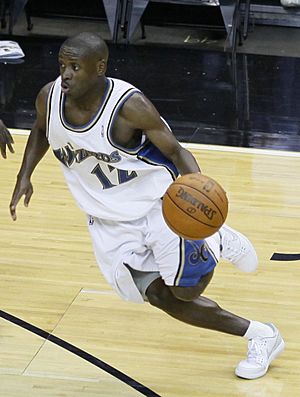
(122,176)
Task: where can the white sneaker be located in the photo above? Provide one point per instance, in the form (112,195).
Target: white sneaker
(237,249)
(261,352)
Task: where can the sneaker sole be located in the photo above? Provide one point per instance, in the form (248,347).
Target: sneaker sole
(255,375)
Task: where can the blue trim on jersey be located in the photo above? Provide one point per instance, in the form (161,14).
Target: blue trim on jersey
(114,114)
(196,263)
(152,155)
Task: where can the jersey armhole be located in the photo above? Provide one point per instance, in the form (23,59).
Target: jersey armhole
(48,109)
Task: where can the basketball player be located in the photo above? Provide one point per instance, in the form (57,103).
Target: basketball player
(118,157)
(5,140)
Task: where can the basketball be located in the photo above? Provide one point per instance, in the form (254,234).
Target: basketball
(195,206)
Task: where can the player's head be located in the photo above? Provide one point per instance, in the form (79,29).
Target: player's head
(83,61)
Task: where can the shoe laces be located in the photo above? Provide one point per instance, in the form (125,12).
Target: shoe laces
(231,247)
(257,350)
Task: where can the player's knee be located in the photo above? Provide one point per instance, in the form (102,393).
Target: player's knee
(186,294)
(159,295)
(165,297)
(189,294)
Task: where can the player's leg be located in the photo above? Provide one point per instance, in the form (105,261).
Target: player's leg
(264,340)
(200,312)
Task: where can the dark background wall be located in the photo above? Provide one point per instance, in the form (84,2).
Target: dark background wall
(74,8)
(155,13)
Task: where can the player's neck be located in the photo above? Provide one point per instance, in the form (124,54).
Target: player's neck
(93,98)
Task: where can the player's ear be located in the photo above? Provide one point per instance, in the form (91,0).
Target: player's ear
(101,67)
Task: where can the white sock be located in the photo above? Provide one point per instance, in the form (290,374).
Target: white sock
(258,329)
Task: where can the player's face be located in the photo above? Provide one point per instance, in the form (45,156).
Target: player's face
(78,72)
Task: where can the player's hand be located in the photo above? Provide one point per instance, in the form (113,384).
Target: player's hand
(22,188)
(6,140)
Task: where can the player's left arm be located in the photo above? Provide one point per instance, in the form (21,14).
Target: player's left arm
(140,114)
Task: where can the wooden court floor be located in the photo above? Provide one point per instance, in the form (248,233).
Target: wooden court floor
(50,280)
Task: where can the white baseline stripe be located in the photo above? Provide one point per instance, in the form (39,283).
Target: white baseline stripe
(15,131)
(216,148)
(234,149)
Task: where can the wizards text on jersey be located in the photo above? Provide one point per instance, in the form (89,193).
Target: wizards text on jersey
(68,155)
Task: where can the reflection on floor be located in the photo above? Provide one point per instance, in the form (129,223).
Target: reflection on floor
(206,98)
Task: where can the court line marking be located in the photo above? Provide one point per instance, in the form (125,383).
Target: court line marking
(277,256)
(97,292)
(32,374)
(217,148)
(80,353)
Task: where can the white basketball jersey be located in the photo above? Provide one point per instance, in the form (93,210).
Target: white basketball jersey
(107,181)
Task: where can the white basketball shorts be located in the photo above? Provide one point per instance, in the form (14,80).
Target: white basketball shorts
(148,245)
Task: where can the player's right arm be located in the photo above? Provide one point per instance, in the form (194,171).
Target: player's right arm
(36,147)
(6,140)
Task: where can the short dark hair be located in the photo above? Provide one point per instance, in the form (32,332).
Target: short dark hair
(89,43)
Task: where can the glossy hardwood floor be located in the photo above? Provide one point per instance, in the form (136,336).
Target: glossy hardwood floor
(49,278)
